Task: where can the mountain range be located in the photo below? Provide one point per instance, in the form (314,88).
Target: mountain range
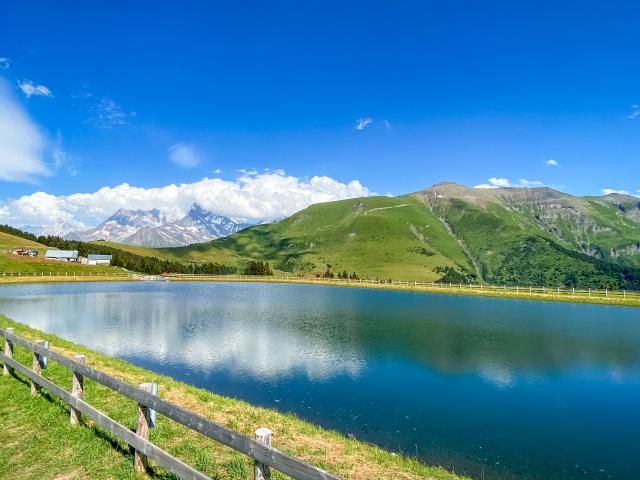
(150,228)
(449,232)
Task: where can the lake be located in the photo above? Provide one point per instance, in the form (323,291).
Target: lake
(494,388)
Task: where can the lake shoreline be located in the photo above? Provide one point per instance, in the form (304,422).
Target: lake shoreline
(442,289)
(349,458)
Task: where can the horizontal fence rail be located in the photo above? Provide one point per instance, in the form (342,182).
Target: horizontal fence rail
(482,287)
(262,453)
(416,284)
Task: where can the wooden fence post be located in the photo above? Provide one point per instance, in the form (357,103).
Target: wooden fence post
(140,461)
(77,389)
(8,351)
(36,367)
(260,470)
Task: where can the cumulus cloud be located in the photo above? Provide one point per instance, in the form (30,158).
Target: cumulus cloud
(635,112)
(30,89)
(185,155)
(248,198)
(21,141)
(5,63)
(363,123)
(495,182)
(552,163)
(109,114)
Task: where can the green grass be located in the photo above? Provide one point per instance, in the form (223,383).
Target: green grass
(17,263)
(8,241)
(513,236)
(37,441)
(384,237)
(507,246)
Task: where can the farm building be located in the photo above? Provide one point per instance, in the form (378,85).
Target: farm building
(94,259)
(27,252)
(62,255)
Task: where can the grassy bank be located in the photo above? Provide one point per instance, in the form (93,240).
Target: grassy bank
(37,441)
(62,279)
(523,294)
(614,298)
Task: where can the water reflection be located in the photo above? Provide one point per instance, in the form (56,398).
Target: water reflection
(514,389)
(168,328)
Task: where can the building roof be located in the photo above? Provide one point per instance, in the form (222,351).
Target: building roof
(93,256)
(61,254)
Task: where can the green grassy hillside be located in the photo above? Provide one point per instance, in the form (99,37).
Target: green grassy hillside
(448,232)
(384,237)
(539,236)
(16,263)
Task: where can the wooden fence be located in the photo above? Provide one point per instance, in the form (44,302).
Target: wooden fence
(480,287)
(265,456)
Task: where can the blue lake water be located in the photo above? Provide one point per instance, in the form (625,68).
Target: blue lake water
(494,388)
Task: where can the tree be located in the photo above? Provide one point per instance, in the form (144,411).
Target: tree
(258,268)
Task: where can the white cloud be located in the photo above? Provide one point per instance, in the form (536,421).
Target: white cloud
(185,155)
(524,183)
(5,63)
(29,89)
(109,114)
(635,112)
(248,198)
(552,163)
(495,182)
(21,141)
(363,123)
(607,191)
(217,171)
(61,158)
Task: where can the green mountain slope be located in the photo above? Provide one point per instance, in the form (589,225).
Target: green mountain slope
(447,232)
(376,236)
(540,236)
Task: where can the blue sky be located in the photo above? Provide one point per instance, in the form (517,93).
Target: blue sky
(156,93)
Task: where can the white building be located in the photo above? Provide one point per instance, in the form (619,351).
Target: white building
(62,255)
(94,259)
